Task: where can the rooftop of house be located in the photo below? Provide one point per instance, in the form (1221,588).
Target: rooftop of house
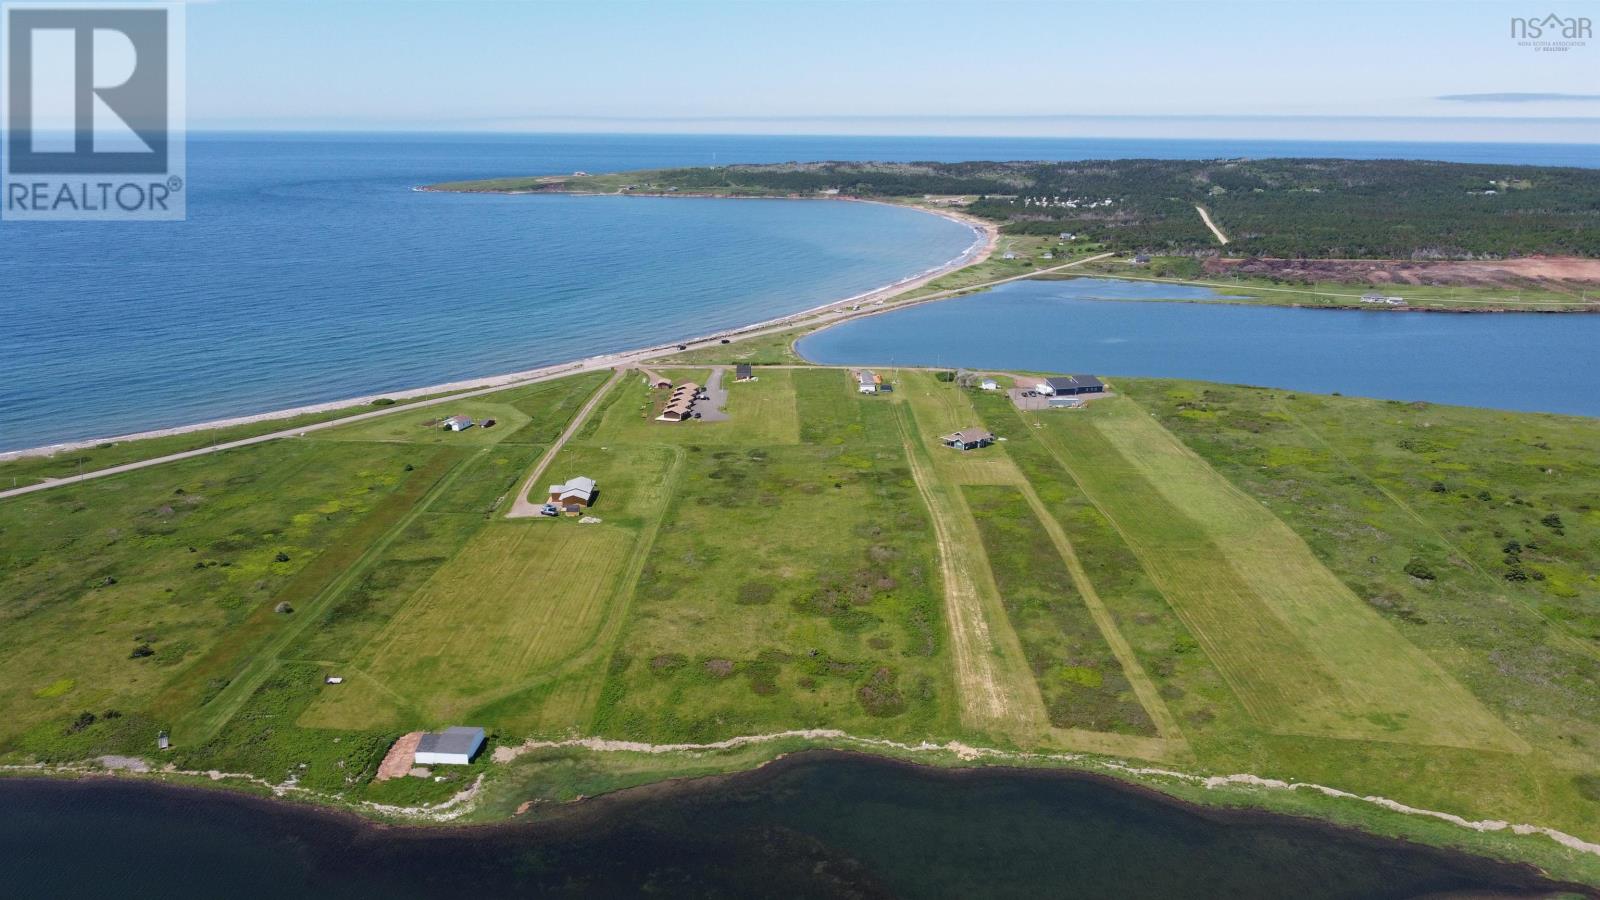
(455,739)
(580,485)
(458,420)
(1074,381)
(969,436)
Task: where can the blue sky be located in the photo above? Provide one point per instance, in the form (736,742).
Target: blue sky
(864,66)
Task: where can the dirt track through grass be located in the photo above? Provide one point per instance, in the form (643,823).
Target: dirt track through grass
(323,581)
(997,690)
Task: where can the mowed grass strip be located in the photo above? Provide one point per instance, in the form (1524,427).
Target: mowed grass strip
(1259,599)
(942,408)
(1081,679)
(998,693)
(515,600)
(521,598)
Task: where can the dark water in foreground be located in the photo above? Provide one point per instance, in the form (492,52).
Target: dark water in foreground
(813,825)
(1520,361)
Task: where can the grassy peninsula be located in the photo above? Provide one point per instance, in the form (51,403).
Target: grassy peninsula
(1393,600)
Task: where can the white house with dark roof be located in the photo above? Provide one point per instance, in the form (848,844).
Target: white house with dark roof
(866,382)
(457,423)
(454,746)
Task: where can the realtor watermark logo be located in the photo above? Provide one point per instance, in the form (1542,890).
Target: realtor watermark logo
(92,108)
(1552,33)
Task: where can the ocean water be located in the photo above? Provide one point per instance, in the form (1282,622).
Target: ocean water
(1519,361)
(818,825)
(309,271)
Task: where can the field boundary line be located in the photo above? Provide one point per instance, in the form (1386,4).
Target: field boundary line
(1137,677)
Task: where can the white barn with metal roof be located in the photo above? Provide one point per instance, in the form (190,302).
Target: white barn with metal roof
(454,746)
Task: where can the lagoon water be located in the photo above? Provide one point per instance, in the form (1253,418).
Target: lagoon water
(816,825)
(1518,361)
(309,271)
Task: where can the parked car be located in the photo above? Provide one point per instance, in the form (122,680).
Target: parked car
(549,509)
(488,423)
(683,346)
(697,415)
(726,341)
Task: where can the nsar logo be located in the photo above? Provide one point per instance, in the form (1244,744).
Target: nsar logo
(1552,33)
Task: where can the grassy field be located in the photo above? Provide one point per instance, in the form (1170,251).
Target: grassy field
(791,584)
(1394,599)
(30,469)
(1427,514)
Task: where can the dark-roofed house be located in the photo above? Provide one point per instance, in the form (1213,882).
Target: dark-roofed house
(742,372)
(454,746)
(1072,385)
(968,439)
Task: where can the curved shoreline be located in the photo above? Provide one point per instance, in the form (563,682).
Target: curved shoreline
(565,818)
(985,237)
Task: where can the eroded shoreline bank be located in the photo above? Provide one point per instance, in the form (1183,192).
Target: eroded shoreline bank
(604,813)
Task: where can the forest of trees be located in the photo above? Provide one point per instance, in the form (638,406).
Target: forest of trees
(1272,207)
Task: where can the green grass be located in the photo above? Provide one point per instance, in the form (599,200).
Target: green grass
(520,597)
(1081,680)
(1305,654)
(30,469)
(1209,578)
(760,412)
(743,624)
(1357,478)
(176,558)
(790,586)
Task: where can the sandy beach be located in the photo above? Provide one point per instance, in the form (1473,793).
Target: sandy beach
(985,238)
